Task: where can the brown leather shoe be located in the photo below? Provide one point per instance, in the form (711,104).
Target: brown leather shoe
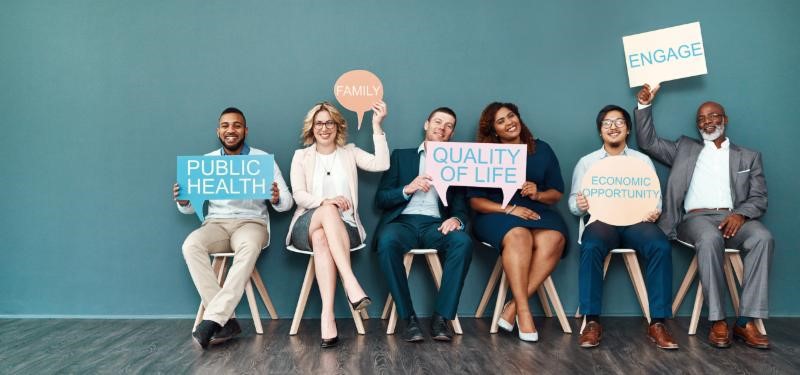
(591,335)
(751,336)
(658,334)
(718,335)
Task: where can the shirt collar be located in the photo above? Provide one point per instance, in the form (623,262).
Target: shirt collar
(603,152)
(245,150)
(421,148)
(724,146)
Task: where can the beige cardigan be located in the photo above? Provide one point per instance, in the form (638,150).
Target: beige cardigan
(302,174)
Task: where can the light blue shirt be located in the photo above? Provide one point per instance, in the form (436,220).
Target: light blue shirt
(586,162)
(422,203)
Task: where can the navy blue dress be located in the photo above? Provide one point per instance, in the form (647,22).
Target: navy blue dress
(543,169)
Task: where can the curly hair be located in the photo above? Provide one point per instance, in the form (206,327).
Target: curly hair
(486,133)
(307,134)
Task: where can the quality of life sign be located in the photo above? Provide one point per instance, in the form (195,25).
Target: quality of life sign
(666,54)
(621,190)
(238,177)
(358,91)
(494,165)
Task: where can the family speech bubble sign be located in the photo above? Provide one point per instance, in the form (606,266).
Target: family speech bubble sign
(358,91)
(621,190)
(494,165)
(235,177)
(666,54)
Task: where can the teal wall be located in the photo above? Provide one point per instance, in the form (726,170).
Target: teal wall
(98,97)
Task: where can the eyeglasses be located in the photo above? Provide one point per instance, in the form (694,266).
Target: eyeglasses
(714,117)
(327,124)
(617,123)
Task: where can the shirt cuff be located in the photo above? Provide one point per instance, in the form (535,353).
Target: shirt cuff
(642,106)
(460,223)
(405,196)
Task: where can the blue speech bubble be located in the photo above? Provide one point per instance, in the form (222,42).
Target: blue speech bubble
(235,177)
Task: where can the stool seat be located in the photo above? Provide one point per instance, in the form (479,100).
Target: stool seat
(219,264)
(435,266)
(305,290)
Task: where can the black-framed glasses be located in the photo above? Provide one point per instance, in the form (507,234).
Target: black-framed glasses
(327,124)
(714,117)
(617,123)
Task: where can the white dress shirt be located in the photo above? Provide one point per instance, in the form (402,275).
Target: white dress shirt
(711,181)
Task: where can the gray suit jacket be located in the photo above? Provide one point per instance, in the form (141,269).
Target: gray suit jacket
(748,185)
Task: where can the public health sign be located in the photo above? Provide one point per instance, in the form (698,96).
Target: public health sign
(663,55)
(621,190)
(235,177)
(476,164)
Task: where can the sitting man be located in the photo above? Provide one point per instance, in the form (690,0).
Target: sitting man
(415,218)
(240,226)
(599,238)
(715,193)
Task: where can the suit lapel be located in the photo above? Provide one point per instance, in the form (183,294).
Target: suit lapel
(692,164)
(735,158)
(309,161)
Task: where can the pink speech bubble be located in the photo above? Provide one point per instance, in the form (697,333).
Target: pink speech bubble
(621,190)
(358,91)
(476,164)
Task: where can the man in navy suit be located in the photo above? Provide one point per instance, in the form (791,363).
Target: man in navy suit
(414,217)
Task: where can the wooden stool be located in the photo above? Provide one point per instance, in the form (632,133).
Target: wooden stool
(219,265)
(634,271)
(545,291)
(436,270)
(732,264)
(308,282)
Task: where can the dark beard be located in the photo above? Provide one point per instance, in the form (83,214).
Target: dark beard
(615,144)
(235,147)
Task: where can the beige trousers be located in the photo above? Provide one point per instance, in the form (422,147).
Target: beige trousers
(246,238)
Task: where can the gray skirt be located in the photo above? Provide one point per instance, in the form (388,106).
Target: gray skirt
(300,233)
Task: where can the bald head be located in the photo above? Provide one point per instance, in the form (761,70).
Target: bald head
(710,107)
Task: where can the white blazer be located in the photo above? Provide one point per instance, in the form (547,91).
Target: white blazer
(302,176)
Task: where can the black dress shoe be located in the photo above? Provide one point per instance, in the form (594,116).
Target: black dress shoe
(361,304)
(329,343)
(439,328)
(202,334)
(412,332)
(227,332)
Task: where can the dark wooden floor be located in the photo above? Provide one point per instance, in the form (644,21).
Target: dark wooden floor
(44,346)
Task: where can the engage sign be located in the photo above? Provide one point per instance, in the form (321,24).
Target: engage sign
(239,177)
(662,55)
(621,190)
(476,164)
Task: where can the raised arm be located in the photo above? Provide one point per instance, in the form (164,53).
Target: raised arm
(649,142)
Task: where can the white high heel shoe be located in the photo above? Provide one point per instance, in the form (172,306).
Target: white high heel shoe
(529,337)
(504,324)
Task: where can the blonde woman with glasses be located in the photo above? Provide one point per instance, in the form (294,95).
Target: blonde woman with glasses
(324,180)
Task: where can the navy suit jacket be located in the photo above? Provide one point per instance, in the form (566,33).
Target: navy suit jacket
(404,168)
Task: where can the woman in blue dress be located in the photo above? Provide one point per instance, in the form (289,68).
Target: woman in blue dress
(529,233)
